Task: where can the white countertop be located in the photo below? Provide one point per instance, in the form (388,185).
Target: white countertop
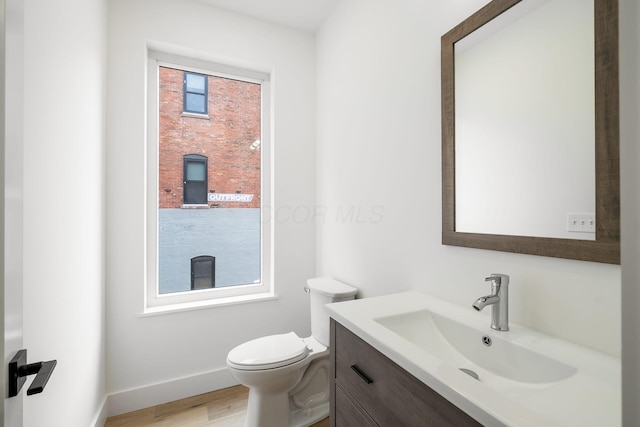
(591,397)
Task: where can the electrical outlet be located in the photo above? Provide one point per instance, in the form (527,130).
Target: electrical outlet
(585,222)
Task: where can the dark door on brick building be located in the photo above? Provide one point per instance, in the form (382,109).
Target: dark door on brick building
(195,179)
(203,272)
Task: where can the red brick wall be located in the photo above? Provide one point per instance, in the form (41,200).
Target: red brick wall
(226,138)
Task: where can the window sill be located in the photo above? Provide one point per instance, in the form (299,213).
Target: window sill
(198,305)
(195,115)
(203,206)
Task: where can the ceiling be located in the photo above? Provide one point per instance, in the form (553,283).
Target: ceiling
(306,15)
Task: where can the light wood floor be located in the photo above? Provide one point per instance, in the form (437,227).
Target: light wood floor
(222,408)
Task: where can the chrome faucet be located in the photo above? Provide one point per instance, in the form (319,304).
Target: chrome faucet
(499,300)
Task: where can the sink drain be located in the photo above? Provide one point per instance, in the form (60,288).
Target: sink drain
(486,340)
(470,373)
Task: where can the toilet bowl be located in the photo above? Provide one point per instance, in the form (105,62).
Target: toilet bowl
(288,376)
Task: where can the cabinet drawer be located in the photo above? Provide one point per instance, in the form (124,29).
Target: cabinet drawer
(348,414)
(388,393)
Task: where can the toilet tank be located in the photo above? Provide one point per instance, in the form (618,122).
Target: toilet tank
(323,291)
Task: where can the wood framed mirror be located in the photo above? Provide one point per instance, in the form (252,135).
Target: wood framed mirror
(604,245)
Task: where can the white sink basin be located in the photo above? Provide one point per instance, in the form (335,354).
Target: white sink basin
(525,378)
(469,348)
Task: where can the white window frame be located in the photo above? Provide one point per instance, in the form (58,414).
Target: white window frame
(191,299)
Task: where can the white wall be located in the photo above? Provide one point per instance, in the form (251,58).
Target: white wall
(181,354)
(378,150)
(64,79)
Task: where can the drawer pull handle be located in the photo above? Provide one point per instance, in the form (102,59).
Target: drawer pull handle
(361,374)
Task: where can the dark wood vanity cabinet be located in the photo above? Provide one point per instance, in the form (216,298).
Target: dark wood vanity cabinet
(368,389)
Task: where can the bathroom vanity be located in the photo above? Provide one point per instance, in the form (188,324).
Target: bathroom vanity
(414,360)
(368,389)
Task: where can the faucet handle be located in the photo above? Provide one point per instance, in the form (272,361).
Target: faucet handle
(498,278)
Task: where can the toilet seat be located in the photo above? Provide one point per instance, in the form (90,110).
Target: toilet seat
(273,351)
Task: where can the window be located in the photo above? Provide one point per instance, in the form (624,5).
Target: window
(207,184)
(195,93)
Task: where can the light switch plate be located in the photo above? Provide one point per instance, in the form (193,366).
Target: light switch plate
(581,222)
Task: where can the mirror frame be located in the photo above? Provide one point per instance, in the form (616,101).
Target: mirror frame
(606,246)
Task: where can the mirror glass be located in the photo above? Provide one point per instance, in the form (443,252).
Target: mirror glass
(530,129)
(525,122)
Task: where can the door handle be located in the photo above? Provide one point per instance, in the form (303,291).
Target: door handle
(19,370)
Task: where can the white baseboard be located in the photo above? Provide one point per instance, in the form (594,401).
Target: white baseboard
(101,415)
(143,397)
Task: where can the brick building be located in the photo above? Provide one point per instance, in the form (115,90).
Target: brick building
(209,141)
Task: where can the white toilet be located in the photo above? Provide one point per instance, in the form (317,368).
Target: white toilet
(288,376)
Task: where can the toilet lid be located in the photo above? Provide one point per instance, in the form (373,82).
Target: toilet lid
(268,352)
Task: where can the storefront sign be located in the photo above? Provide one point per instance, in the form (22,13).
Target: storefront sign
(221,197)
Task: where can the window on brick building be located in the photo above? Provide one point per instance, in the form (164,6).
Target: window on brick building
(208,184)
(195,93)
